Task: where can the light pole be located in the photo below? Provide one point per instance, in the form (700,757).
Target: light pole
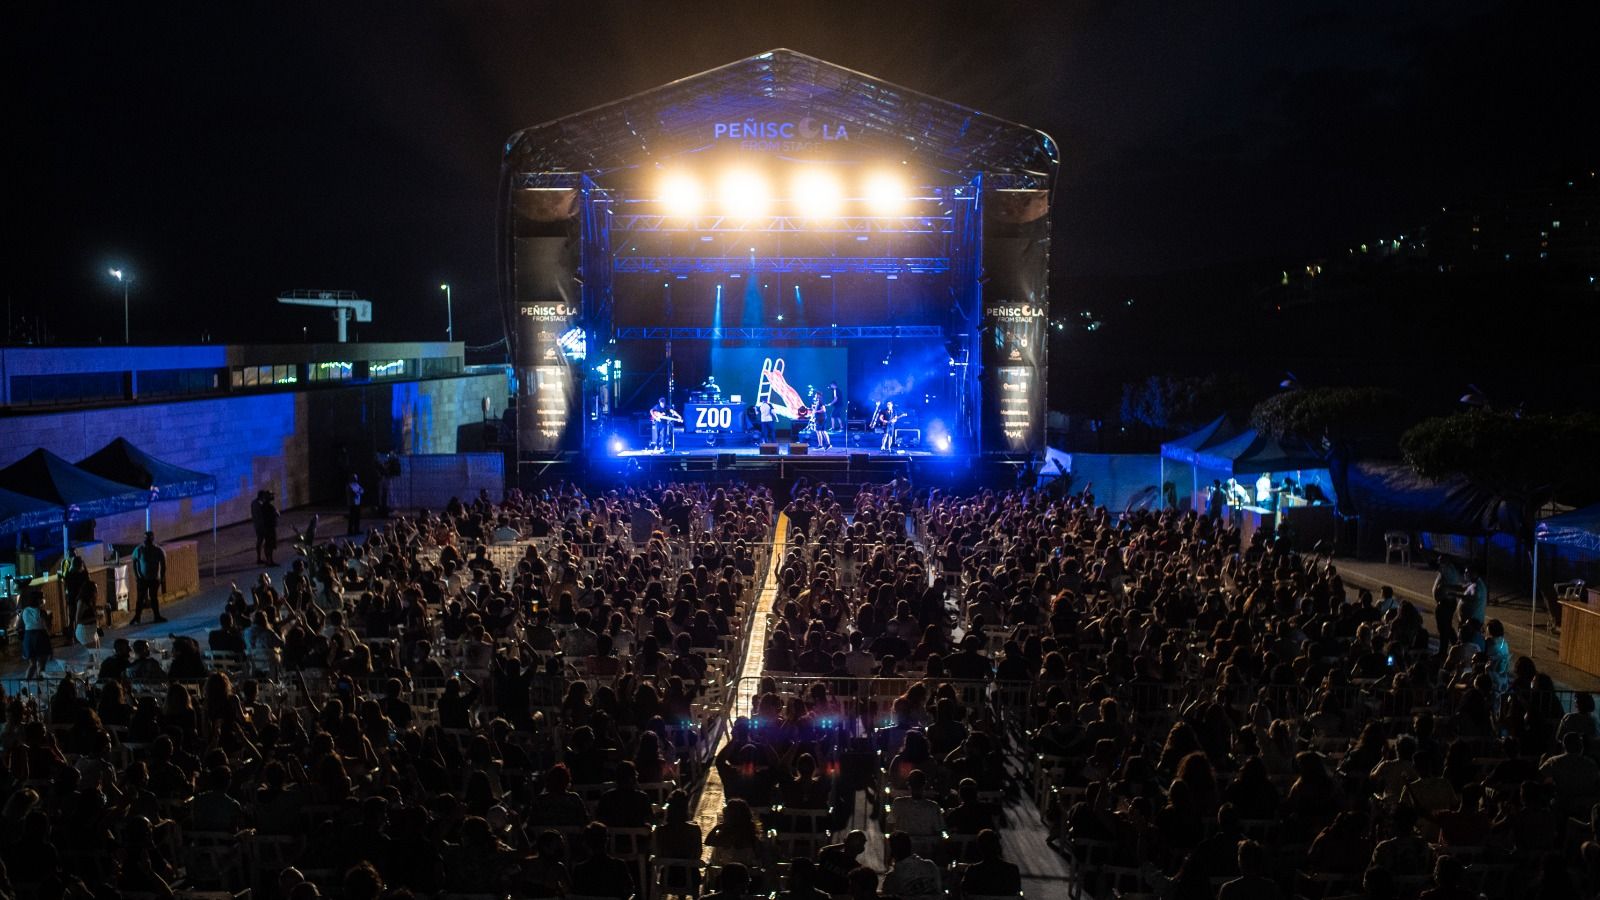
(449,315)
(127,281)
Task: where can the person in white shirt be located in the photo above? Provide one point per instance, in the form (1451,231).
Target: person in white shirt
(34,623)
(858,662)
(768,420)
(912,877)
(916,814)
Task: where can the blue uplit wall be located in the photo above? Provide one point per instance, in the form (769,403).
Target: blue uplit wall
(293,443)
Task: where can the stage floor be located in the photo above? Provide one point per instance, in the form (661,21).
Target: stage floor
(838,453)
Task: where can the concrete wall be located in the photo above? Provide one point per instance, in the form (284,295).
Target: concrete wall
(297,444)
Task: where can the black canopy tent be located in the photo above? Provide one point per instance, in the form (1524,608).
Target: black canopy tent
(1578,529)
(81,495)
(19,513)
(123,462)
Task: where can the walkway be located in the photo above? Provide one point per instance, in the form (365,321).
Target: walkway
(709,809)
(196,615)
(1045,872)
(1415,583)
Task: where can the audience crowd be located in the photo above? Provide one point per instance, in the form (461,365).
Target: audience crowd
(524,698)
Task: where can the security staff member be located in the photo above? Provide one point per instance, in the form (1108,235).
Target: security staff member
(150,578)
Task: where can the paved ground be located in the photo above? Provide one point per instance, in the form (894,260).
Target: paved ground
(196,614)
(1507,602)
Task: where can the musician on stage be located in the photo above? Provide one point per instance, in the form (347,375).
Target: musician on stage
(886,420)
(662,418)
(768,420)
(710,388)
(835,407)
(819,421)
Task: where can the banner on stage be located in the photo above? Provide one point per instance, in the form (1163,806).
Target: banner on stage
(780,136)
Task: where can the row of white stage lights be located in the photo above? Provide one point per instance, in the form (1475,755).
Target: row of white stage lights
(745,193)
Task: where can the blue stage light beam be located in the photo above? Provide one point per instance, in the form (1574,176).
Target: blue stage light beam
(753,301)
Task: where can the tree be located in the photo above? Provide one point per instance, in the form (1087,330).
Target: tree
(1168,403)
(1527,459)
(1347,421)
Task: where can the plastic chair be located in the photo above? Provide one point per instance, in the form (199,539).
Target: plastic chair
(1396,543)
(677,877)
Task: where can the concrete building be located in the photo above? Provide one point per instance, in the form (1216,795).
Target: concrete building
(292,418)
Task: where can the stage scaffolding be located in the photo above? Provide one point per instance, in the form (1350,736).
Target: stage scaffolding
(580,222)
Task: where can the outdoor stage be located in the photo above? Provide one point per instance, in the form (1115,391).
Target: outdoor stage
(873,454)
(783,240)
(840,467)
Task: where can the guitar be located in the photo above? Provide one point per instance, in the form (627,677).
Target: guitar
(887,421)
(657,415)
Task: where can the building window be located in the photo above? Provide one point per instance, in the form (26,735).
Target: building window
(155,383)
(68,388)
(388,368)
(336,370)
(264,376)
(438,366)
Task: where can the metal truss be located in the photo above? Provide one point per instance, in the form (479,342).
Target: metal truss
(790,333)
(638,222)
(879,265)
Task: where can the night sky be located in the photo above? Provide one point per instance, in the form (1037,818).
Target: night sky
(224,152)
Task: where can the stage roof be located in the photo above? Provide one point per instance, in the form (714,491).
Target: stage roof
(783,87)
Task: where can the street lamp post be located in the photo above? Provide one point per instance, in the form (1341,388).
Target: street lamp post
(449,315)
(127,281)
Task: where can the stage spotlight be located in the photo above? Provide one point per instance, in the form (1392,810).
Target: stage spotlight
(941,443)
(681,195)
(744,194)
(886,194)
(617,446)
(817,194)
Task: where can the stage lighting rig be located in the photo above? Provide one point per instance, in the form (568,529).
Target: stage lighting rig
(885,194)
(744,194)
(682,195)
(817,194)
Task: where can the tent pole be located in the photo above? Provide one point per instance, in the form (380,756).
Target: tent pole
(1194,490)
(1161,481)
(1533,606)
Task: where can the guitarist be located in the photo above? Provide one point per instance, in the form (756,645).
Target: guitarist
(887,420)
(662,418)
(819,421)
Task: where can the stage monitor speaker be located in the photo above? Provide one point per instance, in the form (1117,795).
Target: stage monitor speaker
(859,459)
(769,449)
(799,449)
